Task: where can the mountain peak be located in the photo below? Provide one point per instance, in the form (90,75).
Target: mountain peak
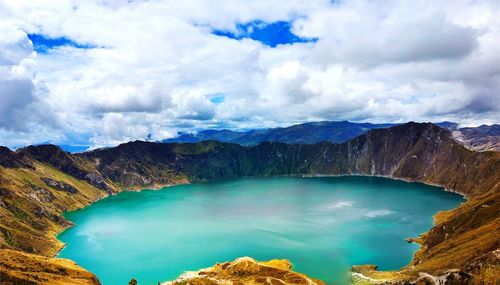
(10,159)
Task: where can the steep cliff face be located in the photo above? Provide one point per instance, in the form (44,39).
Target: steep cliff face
(427,153)
(38,183)
(417,152)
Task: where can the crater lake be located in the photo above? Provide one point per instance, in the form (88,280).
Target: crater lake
(323,225)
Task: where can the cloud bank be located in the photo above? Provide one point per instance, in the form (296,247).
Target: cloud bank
(103,72)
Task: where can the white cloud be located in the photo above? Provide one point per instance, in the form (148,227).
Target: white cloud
(20,107)
(385,35)
(156,63)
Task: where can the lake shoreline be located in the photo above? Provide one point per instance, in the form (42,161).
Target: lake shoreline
(283,176)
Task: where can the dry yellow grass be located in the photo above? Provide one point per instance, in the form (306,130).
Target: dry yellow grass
(22,268)
(32,212)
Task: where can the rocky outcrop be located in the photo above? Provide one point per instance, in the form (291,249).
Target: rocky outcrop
(248,271)
(451,277)
(28,269)
(69,164)
(58,185)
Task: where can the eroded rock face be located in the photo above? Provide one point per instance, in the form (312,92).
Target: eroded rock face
(58,185)
(247,270)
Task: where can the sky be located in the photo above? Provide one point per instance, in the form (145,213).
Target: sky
(103,72)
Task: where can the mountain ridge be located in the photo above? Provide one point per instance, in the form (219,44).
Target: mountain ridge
(481,138)
(305,133)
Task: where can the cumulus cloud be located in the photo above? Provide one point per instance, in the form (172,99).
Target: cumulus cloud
(368,39)
(152,67)
(17,95)
(20,107)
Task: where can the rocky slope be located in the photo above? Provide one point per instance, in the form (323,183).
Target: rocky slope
(248,271)
(482,138)
(38,183)
(34,194)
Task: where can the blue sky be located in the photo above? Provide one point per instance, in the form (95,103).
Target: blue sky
(43,44)
(217,98)
(270,34)
(100,73)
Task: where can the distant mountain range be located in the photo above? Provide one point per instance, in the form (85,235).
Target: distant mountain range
(482,138)
(307,133)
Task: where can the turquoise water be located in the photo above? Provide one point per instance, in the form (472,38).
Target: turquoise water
(323,225)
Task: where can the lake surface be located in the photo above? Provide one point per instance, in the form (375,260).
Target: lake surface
(322,225)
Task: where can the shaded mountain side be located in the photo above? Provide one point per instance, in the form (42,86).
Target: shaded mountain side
(38,183)
(416,152)
(10,159)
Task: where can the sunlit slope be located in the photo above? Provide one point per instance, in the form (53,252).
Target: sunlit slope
(23,268)
(31,210)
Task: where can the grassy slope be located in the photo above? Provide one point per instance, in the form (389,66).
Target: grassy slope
(467,238)
(31,212)
(27,269)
